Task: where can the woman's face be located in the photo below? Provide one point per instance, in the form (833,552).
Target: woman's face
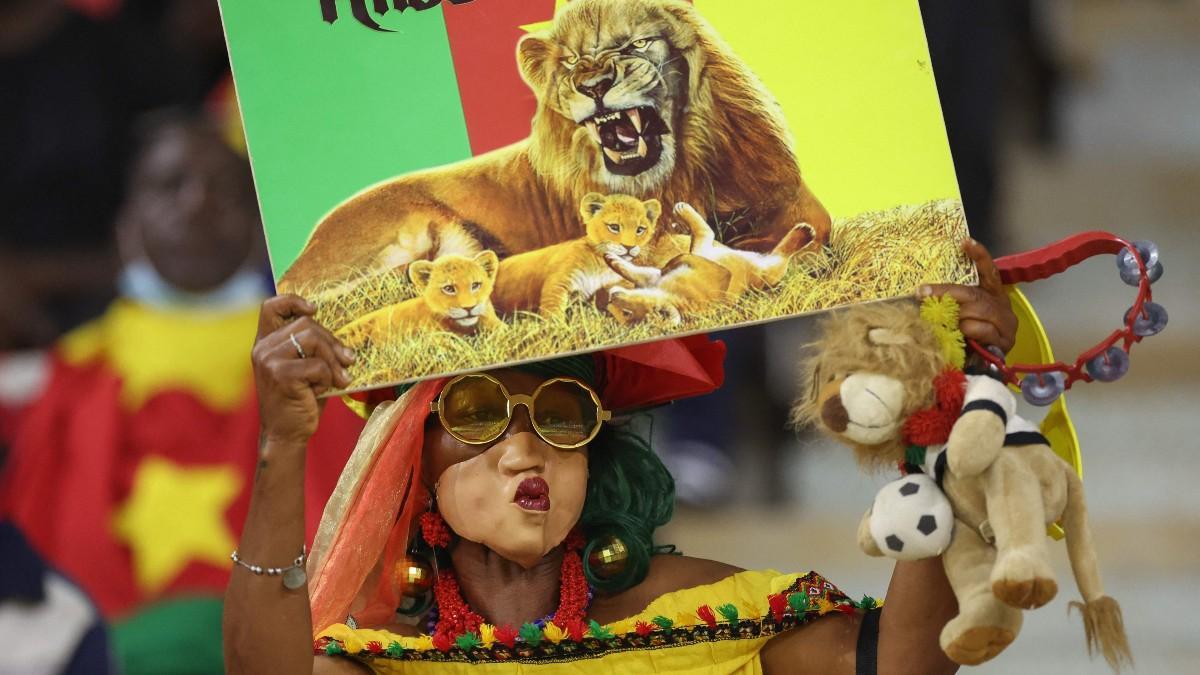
(518,496)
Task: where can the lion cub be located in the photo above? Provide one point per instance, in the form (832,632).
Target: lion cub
(685,286)
(546,280)
(453,294)
(709,272)
(749,270)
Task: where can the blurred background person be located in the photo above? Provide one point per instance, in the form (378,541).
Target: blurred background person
(124,424)
(132,470)
(75,75)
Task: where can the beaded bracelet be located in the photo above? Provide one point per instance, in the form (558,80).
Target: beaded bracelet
(293,575)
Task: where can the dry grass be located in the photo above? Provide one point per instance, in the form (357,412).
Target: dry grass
(872,256)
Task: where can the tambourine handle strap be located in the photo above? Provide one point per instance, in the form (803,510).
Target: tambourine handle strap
(1056,258)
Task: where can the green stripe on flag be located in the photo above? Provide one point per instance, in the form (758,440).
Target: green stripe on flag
(332,109)
(181,636)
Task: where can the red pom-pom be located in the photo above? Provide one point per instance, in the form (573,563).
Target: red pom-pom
(375,647)
(434,530)
(575,630)
(706,614)
(950,387)
(932,425)
(778,604)
(848,610)
(927,427)
(643,628)
(507,636)
(442,642)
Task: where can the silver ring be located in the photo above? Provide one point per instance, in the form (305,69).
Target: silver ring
(296,344)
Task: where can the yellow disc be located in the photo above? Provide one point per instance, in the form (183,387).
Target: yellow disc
(1033,346)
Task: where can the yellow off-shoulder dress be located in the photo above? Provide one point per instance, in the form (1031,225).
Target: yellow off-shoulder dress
(715,629)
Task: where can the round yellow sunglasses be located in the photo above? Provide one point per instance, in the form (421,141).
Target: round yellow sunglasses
(477,409)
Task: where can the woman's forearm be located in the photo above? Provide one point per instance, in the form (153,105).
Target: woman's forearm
(268,627)
(918,604)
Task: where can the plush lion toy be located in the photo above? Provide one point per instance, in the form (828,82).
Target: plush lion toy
(887,380)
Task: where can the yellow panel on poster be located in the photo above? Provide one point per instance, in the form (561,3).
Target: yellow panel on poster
(857,88)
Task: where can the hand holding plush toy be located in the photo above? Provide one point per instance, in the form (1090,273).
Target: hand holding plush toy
(887,380)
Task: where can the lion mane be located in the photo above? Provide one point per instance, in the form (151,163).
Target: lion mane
(635,96)
(849,344)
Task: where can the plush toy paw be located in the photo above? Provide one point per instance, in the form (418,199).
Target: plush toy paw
(975,644)
(982,629)
(1024,579)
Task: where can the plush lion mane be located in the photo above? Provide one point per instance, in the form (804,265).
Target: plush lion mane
(733,127)
(843,348)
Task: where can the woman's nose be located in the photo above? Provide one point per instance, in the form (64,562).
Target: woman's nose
(524,450)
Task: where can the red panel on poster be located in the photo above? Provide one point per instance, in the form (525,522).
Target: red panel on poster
(496,103)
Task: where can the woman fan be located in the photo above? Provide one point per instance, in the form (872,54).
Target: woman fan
(536,516)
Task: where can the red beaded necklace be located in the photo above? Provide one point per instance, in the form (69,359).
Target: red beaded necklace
(455,617)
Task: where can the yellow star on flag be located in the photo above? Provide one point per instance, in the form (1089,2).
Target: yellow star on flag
(174,515)
(544,25)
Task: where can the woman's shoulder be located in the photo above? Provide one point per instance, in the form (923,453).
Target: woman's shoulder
(667,574)
(675,572)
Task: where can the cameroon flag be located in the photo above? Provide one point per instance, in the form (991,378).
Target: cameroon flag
(132,473)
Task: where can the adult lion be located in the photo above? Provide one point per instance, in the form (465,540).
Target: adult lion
(640,97)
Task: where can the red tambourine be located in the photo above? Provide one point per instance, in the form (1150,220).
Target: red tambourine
(1108,361)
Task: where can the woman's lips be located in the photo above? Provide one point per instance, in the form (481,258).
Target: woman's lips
(533,494)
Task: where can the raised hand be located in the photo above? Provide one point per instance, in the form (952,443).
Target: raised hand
(985,312)
(295,360)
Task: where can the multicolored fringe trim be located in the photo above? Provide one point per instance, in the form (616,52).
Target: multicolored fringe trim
(809,598)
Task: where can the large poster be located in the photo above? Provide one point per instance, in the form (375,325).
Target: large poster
(462,184)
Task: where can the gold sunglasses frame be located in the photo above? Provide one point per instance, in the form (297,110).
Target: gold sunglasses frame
(527,400)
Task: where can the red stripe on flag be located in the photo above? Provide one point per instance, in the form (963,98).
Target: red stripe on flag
(497,104)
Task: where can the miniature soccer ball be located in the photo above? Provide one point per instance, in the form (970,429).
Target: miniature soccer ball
(911,518)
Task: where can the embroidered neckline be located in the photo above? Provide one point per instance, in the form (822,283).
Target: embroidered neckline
(808,598)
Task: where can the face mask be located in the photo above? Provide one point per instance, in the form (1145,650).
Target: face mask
(141,282)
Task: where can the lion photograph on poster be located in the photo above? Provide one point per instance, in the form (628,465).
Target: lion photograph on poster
(658,192)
